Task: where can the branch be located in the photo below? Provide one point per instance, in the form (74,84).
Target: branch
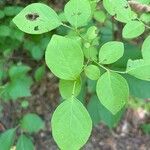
(138,7)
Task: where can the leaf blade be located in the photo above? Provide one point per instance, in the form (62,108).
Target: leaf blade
(72,129)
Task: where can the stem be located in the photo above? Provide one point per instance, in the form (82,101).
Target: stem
(74,86)
(144,23)
(77,32)
(107,69)
(65,25)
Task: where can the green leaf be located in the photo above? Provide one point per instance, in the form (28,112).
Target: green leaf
(24,104)
(37,53)
(118,90)
(6,139)
(139,69)
(119,9)
(66,88)
(145,17)
(93,108)
(99,113)
(32,123)
(24,143)
(64,57)
(91,33)
(92,72)
(108,5)
(78,12)
(110,52)
(4,31)
(90,53)
(39,73)
(37,18)
(18,70)
(9,10)
(2,15)
(71,125)
(138,88)
(19,87)
(146,49)
(133,29)
(100,16)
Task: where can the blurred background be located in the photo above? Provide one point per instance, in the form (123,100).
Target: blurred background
(27,85)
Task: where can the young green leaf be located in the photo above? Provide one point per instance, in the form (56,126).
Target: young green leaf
(91,33)
(146,49)
(78,12)
(39,73)
(110,52)
(32,123)
(24,143)
(64,57)
(118,90)
(7,139)
(68,88)
(37,18)
(92,72)
(90,53)
(139,69)
(71,125)
(133,29)
(100,16)
(20,87)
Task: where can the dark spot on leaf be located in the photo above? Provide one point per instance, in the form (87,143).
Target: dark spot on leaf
(115,16)
(126,6)
(32,16)
(36,28)
(78,14)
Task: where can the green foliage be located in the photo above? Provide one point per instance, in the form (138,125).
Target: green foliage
(78,12)
(68,88)
(92,72)
(138,88)
(101,114)
(60,56)
(145,49)
(118,90)
(24,143)
(31,123)
(7,139)
(34,20)
(120,10)
(39,73)
(110,52)
(74,125)
(129,32)
(90,47)
(24,104)
(139,69)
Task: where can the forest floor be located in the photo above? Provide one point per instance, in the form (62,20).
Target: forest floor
(45,98)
